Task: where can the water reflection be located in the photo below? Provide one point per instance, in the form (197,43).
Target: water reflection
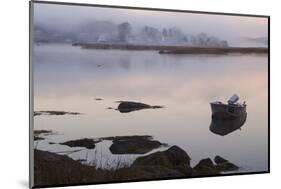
(224,127)
(68,78)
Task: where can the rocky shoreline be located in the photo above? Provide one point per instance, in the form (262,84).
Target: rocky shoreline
(54,169)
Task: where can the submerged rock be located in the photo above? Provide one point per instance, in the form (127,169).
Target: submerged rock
(98,99)
(38,138)
(86,142)
(205,167)
(129,106)
(132,144)
(37,113)
(36,134)
(219,159)
(174,158)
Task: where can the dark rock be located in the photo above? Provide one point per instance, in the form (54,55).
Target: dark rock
(37,113)
(177,155)
(128,106)
(131,106)
(205,167)
(87,143)
(133,144)
(219,159)
(205,163)
(41,132)
(38,132)
(38,138)
(155,107)
(226,166)
(134,137)
(174,158)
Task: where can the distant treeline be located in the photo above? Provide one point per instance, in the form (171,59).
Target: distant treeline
(108,32)
(173,49)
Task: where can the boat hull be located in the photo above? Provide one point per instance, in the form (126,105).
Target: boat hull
(227,110)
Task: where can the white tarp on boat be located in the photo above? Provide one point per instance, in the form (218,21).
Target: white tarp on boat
(233,99)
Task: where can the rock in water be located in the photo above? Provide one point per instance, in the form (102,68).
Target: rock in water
(51,112)
(205,167)
(133,144)
(177,156)
(219,159)
(224,165)
(86,142)
(205,163)
(128,106)
(227,166)
(174,158)
(98,99)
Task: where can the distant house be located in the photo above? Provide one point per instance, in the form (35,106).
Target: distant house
(103,38)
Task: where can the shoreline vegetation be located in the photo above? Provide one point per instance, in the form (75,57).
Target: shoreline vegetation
(55,169)
(173,49)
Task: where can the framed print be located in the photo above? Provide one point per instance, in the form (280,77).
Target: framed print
(126,94)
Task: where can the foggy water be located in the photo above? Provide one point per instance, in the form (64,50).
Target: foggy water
(68,78)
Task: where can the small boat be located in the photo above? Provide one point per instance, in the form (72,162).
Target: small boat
(232,109)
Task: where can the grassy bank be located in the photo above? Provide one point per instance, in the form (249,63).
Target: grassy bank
(53,169)
(172,49)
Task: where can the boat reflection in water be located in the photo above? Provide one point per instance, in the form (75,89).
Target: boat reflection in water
(227,118)
(225,126)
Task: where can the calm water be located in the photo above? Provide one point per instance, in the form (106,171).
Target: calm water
(69,78)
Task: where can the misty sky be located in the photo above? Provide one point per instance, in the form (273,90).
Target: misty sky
(234,29)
